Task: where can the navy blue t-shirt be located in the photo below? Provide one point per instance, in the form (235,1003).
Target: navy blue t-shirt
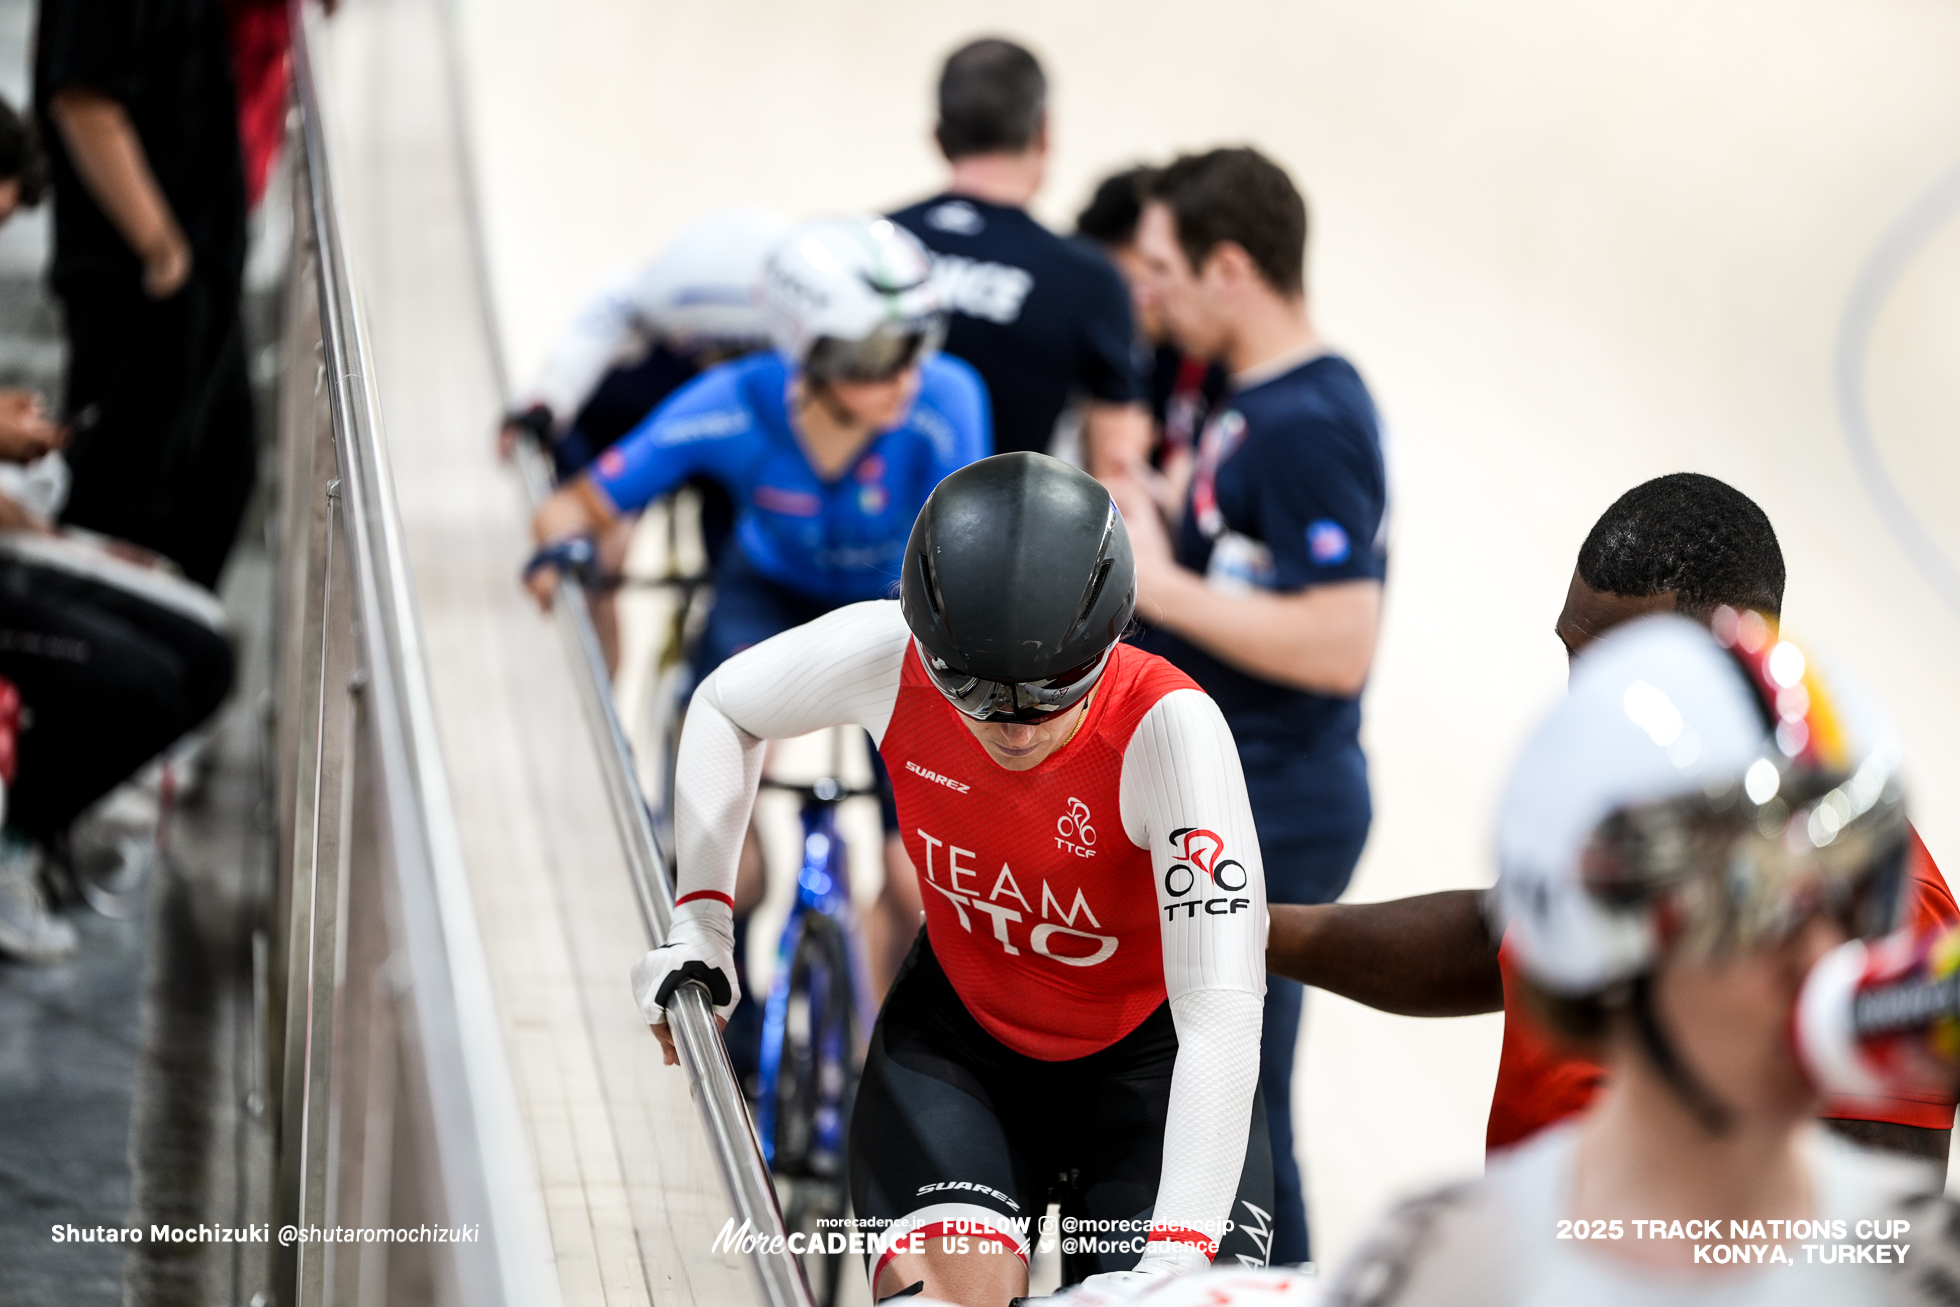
(1036,315)
(1289,492)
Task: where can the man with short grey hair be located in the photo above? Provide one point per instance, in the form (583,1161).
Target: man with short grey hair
(1042,319)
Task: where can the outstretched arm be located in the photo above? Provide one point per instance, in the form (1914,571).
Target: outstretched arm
(1427,956)
(607,330)
(841,669)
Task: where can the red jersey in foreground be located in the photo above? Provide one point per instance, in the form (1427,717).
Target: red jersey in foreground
(1539,1082)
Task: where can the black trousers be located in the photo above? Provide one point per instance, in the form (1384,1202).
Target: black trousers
(109,679)
(163,451)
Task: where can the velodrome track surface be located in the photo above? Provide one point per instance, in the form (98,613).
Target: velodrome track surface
(1570,246)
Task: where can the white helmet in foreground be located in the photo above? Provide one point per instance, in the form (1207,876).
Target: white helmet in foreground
(1223,1286)
(851,299)
(1694,792)
(701,288)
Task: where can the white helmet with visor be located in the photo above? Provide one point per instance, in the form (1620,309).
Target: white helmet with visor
(851,299)
(1695,794)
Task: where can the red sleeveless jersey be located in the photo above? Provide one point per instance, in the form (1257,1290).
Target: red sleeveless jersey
(1040,909)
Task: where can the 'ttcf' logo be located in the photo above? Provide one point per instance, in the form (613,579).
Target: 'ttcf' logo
(1073,831)
(1203,850)
(1206,851)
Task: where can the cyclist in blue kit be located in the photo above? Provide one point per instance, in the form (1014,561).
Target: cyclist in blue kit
(828,445)
(1268,592)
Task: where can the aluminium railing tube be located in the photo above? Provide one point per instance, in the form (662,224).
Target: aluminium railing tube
(711,1080)
(392,1098)
(779,1273)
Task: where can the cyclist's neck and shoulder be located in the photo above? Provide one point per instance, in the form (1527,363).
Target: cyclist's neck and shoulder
(751,396)
(951,391)
(976,218)
(1312,392)
(737,390)
(860,658)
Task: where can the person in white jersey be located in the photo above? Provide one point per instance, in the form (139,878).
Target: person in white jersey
(1222,1286)
(1701,820)
(1084,1000)
(648,332)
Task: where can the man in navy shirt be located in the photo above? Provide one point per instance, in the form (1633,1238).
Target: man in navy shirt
(1042,319)
(1183,388)
(1269,596)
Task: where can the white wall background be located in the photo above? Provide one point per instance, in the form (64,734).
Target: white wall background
(1571,246)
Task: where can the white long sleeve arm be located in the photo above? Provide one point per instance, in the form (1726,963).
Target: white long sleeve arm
(839,670)
(610,327)
(1184,798)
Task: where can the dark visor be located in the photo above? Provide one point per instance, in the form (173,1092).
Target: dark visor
(880,356)
(1013,701)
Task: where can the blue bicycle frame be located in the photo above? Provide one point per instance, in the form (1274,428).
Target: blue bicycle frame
(822,973)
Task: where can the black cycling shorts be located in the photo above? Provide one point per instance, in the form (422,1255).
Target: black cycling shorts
(954,1133)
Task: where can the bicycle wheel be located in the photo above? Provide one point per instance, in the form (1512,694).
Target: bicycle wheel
(814,1207)
(817,1071)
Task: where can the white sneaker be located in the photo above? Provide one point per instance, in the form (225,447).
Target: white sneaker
(113,849)
(28,931)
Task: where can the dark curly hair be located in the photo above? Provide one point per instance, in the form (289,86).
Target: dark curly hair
(1689,535)
(1110,217)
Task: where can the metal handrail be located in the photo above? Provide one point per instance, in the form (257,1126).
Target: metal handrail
(690,1016)
(481,1152)
(724,1110)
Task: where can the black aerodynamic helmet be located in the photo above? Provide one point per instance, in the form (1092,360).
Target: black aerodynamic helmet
(1018,581)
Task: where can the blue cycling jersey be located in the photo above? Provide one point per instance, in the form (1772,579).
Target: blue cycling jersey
(838,541)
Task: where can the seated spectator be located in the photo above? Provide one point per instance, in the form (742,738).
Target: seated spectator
(23,169)
(115,660)
(26,431)
(112,656)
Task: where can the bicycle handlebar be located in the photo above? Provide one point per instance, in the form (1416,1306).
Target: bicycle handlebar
(825,789)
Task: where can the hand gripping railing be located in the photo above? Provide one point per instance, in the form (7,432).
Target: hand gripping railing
(779,1273)
(690,1016)
(393,1106)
